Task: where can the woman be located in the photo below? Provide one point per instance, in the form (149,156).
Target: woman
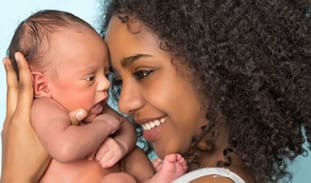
(228,81)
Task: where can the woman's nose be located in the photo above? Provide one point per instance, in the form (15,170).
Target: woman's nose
(130,98)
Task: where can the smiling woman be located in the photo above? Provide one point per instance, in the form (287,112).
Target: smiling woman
(228,48)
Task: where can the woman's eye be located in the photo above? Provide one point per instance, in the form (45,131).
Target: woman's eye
(139,75)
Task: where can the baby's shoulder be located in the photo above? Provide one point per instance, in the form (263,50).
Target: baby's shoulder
(44,108)
(46,103)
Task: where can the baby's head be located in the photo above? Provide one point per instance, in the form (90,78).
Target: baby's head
(33,36)
(67,57)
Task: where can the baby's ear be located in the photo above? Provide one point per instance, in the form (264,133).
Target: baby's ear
(40,83)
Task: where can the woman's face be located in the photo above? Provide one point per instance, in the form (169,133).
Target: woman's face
(158,97)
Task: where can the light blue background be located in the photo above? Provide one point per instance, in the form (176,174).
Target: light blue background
(14,11)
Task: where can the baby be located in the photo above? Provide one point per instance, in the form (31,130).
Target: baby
(69,64)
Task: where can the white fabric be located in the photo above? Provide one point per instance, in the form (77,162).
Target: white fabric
(209,171)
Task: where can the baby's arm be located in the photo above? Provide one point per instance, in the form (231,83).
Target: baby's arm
(66,142)
(116,147)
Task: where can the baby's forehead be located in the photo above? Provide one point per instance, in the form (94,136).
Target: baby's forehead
(82,45)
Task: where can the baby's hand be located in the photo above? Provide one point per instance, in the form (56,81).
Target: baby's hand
(112,123)
(110,152)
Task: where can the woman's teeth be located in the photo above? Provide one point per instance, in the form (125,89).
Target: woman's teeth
(152,124)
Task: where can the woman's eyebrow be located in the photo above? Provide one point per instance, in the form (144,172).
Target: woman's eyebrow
(125,62)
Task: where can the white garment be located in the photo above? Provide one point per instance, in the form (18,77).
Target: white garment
(209,171)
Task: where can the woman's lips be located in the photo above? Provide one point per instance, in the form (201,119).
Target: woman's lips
(153,134)
(151,129)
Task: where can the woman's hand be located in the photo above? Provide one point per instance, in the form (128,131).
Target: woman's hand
(23,157)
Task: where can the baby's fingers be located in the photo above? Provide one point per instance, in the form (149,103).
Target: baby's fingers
(109,153)
(77,116)
(108,159)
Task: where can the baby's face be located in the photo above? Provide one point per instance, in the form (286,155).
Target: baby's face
(77,75)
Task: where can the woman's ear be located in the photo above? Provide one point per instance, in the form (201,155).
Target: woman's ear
(40,84)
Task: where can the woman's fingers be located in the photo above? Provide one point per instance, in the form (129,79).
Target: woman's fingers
(12,89)
(22,152)
(25,89)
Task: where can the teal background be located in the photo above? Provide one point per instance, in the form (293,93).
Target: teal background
(14,11)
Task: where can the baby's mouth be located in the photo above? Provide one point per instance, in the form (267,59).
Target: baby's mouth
(97,109)
(94,111)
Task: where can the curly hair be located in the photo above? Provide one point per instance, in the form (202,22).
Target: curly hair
(252,64)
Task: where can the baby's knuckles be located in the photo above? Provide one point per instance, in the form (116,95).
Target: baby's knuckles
(112,123)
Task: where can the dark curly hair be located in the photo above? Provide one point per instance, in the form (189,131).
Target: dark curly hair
(252,64)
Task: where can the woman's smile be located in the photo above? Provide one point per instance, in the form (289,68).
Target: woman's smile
(152,129)
(154,123)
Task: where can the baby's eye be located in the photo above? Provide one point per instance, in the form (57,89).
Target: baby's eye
(90,78)
(139,75)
